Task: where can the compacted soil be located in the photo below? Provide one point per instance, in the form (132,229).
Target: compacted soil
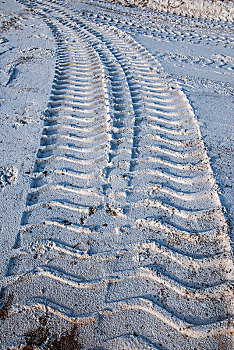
(115,178)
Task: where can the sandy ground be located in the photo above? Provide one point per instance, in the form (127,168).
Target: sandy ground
(205,9)
(115,177)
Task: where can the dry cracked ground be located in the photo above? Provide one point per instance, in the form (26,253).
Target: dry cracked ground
(115,133)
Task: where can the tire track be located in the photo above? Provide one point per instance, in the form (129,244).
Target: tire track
(165,27)
(70,137)
(123,221)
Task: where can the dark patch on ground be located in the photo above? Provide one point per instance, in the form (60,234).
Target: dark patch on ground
(92,210)
(110,211)
(6,305)
(42,337)
(67,341)
(36,337)
(10,23)
(66,222)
